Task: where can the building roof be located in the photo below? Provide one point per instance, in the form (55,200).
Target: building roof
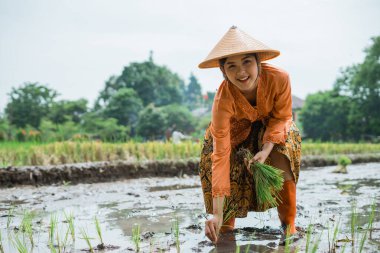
(297,102)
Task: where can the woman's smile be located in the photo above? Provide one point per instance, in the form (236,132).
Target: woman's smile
(244,80)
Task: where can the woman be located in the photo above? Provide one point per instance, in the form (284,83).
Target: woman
(252,109)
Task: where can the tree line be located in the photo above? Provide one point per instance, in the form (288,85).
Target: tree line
(141,103)
(350,110)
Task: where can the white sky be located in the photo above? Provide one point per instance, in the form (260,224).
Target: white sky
(75,46)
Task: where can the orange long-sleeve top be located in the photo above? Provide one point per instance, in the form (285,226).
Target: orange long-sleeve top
(232,116)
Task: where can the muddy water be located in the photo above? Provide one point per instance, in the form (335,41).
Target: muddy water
(155,203)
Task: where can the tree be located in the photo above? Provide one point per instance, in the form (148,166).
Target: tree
(124,106)
(362,83)
(194,92)
(102,128)
(179,116)
(152,83)
(28,104)
(152,123)
(66,110)
(324,116)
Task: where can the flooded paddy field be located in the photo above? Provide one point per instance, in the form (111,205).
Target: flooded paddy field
(170,214)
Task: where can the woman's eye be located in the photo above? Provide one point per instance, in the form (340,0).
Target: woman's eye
(231,66)
(247,61)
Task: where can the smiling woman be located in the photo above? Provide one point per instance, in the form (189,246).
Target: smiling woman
(251,110)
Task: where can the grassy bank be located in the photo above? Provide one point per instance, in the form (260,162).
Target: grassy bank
(29,153)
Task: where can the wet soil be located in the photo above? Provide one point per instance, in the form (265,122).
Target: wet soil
(323,199)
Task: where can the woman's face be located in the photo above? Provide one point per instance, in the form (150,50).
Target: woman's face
(242,71)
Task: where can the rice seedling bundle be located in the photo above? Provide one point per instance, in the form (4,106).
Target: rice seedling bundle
(268,181)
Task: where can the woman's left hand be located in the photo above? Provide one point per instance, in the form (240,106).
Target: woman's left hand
(260,156)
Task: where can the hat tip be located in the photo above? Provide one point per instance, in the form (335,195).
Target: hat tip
(233,27)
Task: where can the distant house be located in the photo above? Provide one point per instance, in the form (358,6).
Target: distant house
(297,105)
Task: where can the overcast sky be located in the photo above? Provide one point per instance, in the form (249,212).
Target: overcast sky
(75,46)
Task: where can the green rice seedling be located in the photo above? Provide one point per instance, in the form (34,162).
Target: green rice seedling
(99,231)
(354,218)
(52,248)
(336,231)
(332,244)
(231,209)
(237,249)
(309,231)
(247,248)
(175,231)
(19,245)
(369,226)
(343,248)
(87,239)
(65,241)
(136,236)
(59,246)
(372,217)
(288,241)
(316,243)
(10,216)
(70,222)
(26,225)
(268,181)
(1,244)
(53,227)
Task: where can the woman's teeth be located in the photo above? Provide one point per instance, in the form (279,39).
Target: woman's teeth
(243,79)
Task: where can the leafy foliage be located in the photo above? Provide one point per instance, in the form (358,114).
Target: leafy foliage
(28,104)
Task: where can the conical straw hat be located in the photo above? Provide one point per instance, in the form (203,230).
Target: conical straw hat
(235,42)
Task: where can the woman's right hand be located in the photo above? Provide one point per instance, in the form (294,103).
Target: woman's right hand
(212,228)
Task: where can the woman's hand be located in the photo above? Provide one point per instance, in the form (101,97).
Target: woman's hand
(212,228)
(260,156)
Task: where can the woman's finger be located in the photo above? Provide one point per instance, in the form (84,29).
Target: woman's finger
(246,162)
(208,231)
(213,232)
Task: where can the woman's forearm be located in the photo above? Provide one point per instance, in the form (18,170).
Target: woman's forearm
(267,147)
(218,204)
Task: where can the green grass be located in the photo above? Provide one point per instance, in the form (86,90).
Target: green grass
(52,227)
(175,231)
(369,226)
(136,236)
(87,239)
(1,244)
(35,153)
(70,222)
(353,221)
(19,244)
(10,216)
(26,225)
(98,230)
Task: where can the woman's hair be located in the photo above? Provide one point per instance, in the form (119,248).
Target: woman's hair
(223,61)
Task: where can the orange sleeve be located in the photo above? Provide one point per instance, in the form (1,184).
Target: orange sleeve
(222,110)
(281,115)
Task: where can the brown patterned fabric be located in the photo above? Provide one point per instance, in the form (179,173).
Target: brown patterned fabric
(242,198)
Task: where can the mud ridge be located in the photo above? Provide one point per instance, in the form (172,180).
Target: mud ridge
(116,170)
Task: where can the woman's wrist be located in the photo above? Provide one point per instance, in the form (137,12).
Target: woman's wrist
(217,204)
(267,148)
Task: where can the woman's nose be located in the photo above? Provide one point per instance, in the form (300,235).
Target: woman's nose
(241,71)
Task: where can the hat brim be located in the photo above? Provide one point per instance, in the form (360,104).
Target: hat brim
(263,55)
